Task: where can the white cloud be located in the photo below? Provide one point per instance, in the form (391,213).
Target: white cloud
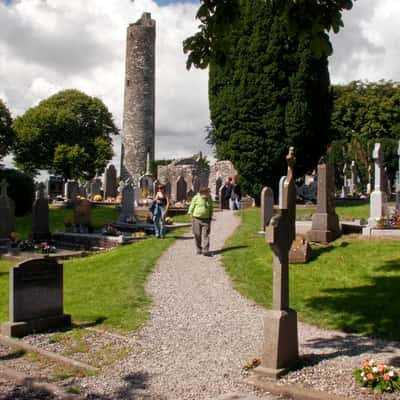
(47,46)
(367,47)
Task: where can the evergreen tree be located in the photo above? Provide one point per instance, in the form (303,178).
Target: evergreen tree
(270,93)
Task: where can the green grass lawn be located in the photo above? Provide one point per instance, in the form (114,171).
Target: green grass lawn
(100,215)
(349,209)
(351,285)
(105,288)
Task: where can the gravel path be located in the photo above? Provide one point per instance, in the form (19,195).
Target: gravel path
(200,334)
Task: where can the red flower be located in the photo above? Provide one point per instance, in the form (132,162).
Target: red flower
(370,377)
(386,377)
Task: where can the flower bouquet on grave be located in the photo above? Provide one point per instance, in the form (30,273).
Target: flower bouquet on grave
(381,223)
(169,221)
(394,219)
(110,230)
(378,376)
(26,245)
(45,248)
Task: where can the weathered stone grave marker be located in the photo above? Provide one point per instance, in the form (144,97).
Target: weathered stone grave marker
(267,206)
(345,189)
(36,298)
(353,179)
(325,222)
(369,184)
(378,197)
(280,346)
(71,190)
(82,216)
(126,189)
(40,215)
(7,218)
(110,182)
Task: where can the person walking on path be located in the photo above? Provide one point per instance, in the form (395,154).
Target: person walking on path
(236,194)
(159,209)
(228,193)
(201,210)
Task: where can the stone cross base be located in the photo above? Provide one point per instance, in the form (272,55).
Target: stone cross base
(280,347)
(23,328)
(325,228)
(377,207)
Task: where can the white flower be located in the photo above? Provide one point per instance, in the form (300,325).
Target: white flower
(362,373)
(374,370)
(364,379)
(371,362)
(391,373)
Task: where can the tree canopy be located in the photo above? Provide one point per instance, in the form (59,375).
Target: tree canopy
(313,18)
(6,130)
(365,113)
(271,94)
(70,134)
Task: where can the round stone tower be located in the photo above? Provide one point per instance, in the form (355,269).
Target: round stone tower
(139,99)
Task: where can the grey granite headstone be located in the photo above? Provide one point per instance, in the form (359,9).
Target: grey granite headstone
(126,189)
(353,179)
(40,216)
(345,188)
(280,346)
(71,190)
(325,222)
(36,298)
(267,206)
(110,182)
(7,218)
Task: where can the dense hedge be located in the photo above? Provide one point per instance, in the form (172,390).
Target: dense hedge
(20,188)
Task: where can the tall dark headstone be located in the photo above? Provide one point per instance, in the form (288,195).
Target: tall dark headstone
(280,346)
(36,298)
(7,218)
(110,182)
(128,200)
(325,222)
(181,189)
(40,216)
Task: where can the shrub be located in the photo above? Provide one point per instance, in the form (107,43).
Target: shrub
(20,188)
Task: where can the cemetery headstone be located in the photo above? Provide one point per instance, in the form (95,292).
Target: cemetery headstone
(55,186)
(345,189)
(300,252)
(71,190)
(41,280)
(369,184)
(398,181)
(128,200)
(280,345)
(110,182)
(40,216)
(267,206)
(353,179)
(325,222)
(7,219)
(82,216)
(378,197)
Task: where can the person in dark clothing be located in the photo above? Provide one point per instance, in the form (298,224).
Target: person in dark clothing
(236,194)
(228,193)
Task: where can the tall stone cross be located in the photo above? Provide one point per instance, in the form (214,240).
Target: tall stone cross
(378,197)
(280,347)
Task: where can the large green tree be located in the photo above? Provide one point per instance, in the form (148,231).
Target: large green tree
(270,94)
(70,133)
(311,18)
(6,130)
(364,113)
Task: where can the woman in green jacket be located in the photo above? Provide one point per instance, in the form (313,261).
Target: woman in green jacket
(201,210)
